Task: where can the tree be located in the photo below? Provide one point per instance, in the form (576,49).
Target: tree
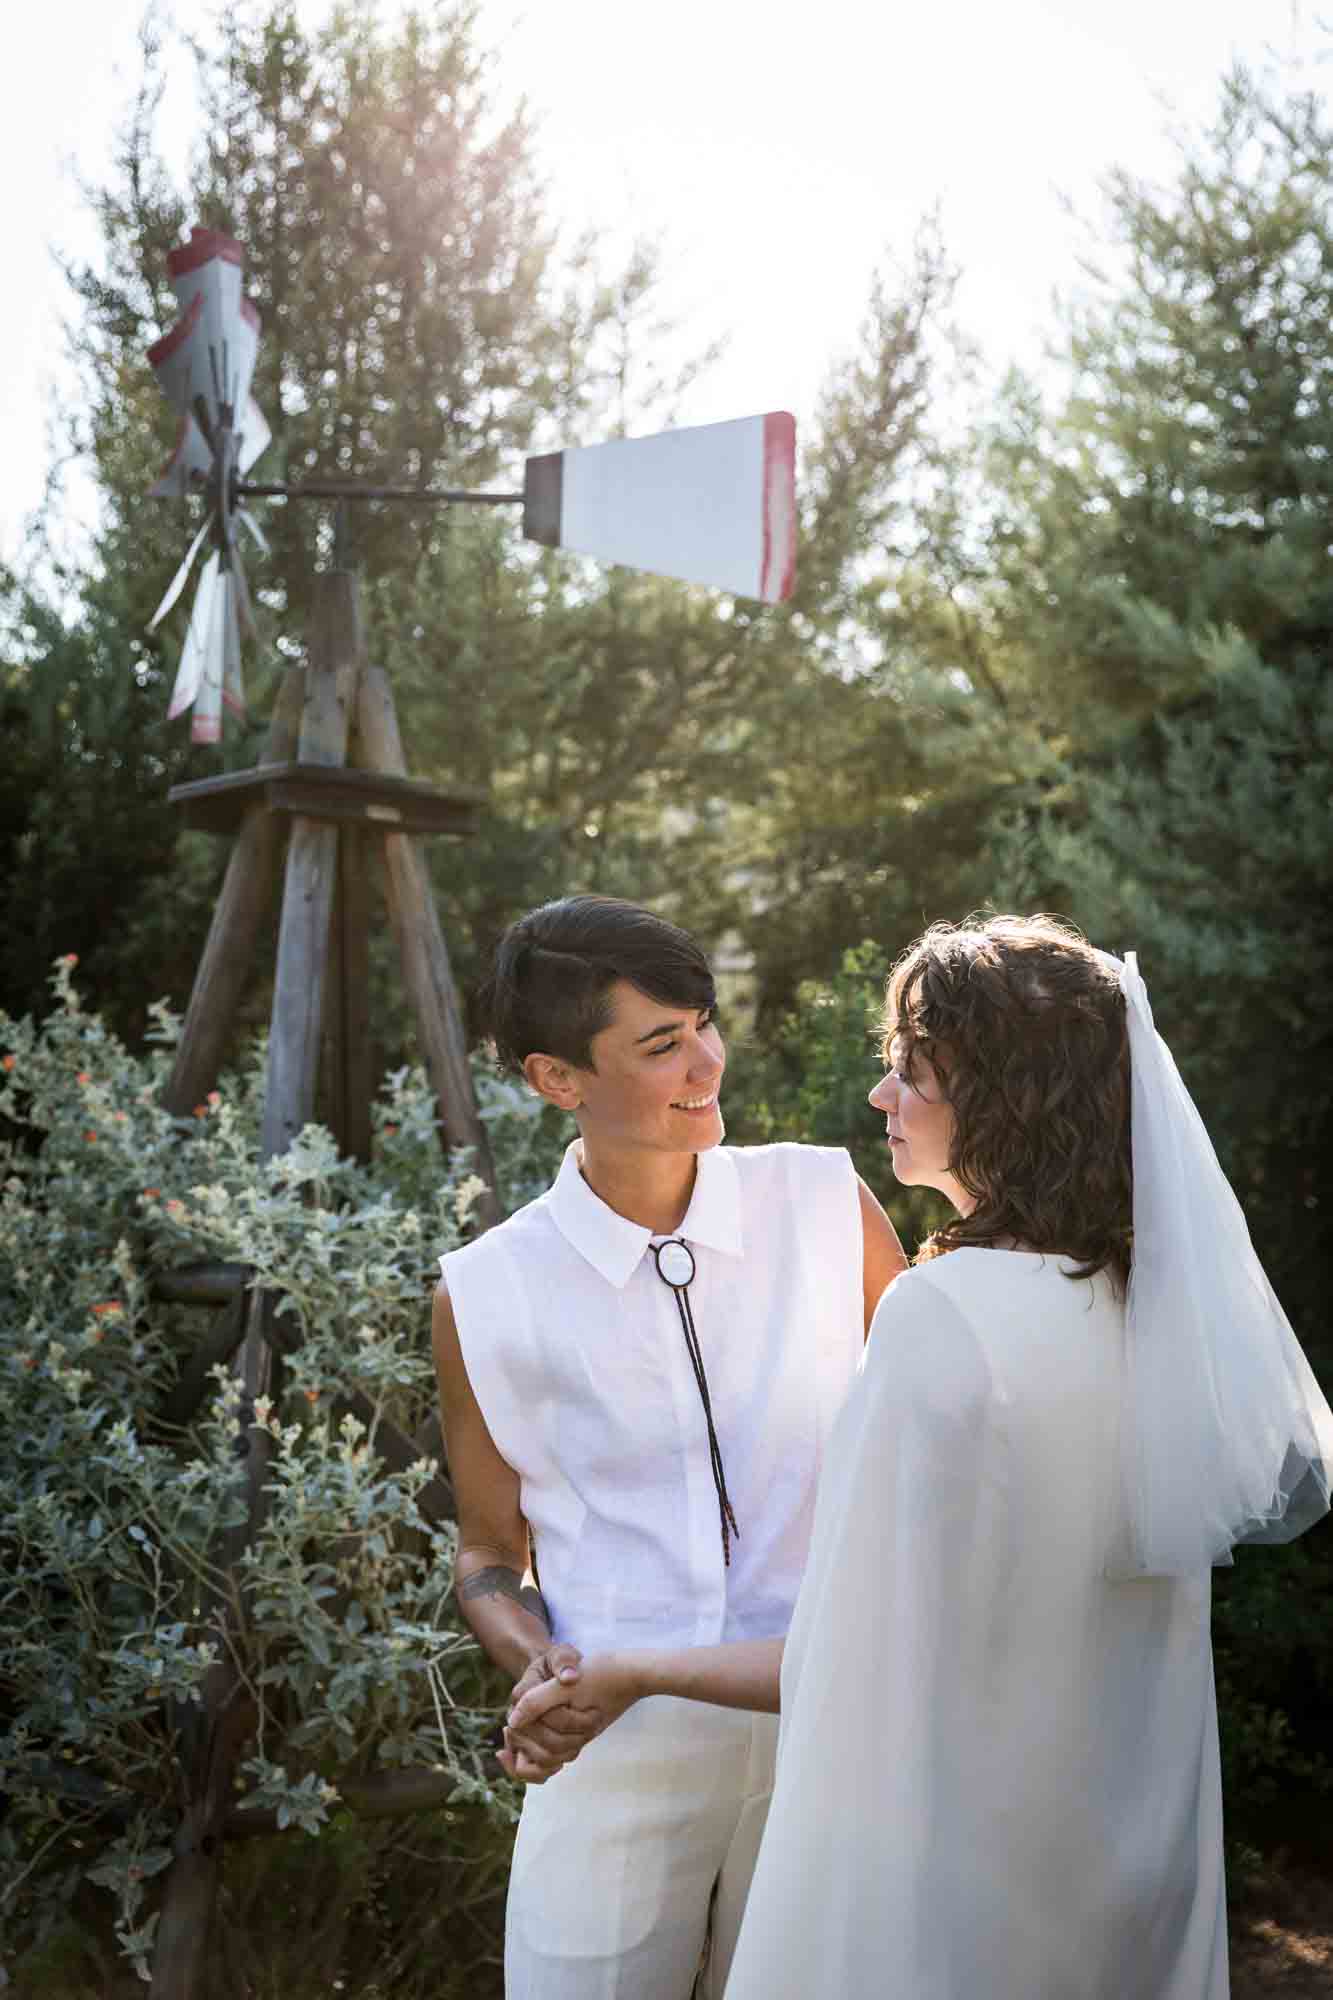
(1162,586)
(420,327)
(1164,559)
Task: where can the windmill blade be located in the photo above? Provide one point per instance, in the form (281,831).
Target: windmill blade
(240,593)
(206,725)
(233,692)
(257,534)
(194,653)
(191,461)
(209,354)
(715,504)
(179,581)
(189,465)
(210,664)
(255,437)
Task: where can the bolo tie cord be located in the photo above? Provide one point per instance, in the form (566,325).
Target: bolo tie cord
(726,1512)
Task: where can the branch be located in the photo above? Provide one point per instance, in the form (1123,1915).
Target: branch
(381,1795)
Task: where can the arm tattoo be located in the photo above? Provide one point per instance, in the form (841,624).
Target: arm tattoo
(500,1581)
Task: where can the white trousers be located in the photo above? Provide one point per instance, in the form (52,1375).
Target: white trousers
(620,1856)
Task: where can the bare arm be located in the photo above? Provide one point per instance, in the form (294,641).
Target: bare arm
(744,1674)
(496,1595)
(495,1591)
(882,1255)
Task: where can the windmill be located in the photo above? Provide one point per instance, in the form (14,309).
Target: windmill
(711,505)
(714,505)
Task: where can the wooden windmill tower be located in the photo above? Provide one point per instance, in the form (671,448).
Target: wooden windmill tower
(714,506)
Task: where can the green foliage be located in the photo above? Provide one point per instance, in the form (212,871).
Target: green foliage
(812,1080)
(117,1602)
(1275,1687)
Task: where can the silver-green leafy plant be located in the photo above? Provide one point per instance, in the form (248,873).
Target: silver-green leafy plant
(115,1598)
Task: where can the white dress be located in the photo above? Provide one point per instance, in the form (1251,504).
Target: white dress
(998,1773)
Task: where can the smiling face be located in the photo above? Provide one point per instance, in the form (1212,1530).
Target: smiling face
(654,1081)
(920,1125)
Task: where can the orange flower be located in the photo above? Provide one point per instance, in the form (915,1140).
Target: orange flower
(312,1395)
(108,1306)
(389,1131)
(91,1138)
(83,1077)
(152,1194)
(201,1111)
(8,1062)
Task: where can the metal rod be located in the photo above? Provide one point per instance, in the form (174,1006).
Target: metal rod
(322,489)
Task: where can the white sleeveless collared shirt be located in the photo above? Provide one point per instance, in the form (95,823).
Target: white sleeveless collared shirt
(574,1349)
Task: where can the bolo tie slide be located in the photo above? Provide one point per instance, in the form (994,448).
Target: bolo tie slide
(676,1268)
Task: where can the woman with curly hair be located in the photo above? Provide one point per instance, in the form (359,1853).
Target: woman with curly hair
(998,1770)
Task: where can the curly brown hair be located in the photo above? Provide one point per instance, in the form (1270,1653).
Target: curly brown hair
(1024,1024)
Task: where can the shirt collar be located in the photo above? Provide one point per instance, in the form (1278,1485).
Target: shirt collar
(615,1246)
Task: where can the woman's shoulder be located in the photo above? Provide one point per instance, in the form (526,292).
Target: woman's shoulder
(924,1343)
(791,1159)
(1018,1315)
(817,1183)
(976,1273)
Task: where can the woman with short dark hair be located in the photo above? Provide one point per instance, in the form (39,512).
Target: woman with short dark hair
(998,1767)
(638,1374)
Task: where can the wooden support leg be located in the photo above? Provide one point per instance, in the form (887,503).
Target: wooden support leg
(347,1081)
(312,868)
(330,1084)
(358,1057)
(246,895)
(427,974)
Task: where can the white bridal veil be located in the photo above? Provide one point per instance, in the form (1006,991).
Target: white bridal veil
(1225,1435)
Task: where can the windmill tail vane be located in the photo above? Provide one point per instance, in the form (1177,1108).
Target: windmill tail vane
(205,366)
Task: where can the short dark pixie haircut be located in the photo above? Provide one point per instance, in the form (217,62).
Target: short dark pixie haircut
(550,989)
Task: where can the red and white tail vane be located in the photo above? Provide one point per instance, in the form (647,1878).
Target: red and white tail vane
(714,505)
(205,366)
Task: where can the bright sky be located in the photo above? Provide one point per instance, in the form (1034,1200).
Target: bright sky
(781,152)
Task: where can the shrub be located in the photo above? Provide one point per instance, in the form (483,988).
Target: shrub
(117,1601)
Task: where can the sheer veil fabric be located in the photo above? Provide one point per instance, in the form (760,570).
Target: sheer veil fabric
(1227,1436)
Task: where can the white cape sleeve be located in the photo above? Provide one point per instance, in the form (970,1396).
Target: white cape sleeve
(906,1501)
(998,1769)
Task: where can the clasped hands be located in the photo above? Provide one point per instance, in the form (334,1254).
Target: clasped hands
(558,1705)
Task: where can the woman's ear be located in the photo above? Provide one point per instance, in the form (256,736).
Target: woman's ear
(554,1080)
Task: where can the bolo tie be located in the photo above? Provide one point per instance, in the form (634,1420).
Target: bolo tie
(676,1268)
